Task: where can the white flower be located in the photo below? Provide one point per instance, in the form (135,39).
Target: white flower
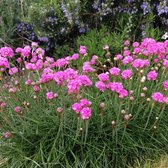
(165,36)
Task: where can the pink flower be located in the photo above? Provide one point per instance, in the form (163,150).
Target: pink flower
(61,62)
(123,93)
(126,74)
(40,52)
(85,103)
(165,63)
(30,66)
(135,44)
(75,56)
(4,62)
(87,67)
(126,42)
(82,50)
(6,52)
(152,75)
(77,107)
(73,86)
(50,59)
(93,60)
(85,113)
(39,64)
(100,85)
(49,95)
(18,50)
(127,60)
(3,104)
(158,97)
(68,58)
(59,77)
(115,71)
(7,135)
(118,57)
(34,44)
(165,85)
(13,70)
(140,63)
(25,52)
(28,82)
(46,77)
(103,77)
(115,86)
(126,53)
(84,80)
(17,109)
(156,60)
(19,60)
(137,50)
(71,73)
(36,88)
(12,90)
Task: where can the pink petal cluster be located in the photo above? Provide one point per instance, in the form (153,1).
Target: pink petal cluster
(82,108)
(126,74)
(49,95)
(87,68)
(25,52)
(6,52)
(75,56)
(165,63)
(85,113)
(62,62)
(7,135)
(4,62)
(165,85)
(127,60)
(140,63)
(82,50)
(100,85)
(115,71)
(103,77)
(158,97)
(36,88)
(13,70)
(152,75)
(17,109)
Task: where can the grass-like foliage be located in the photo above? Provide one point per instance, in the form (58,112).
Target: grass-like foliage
(71,112)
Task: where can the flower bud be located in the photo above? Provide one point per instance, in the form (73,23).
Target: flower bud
(102,105)
(59,110)
(123,111)
(131,92)
(131,98)
(144,88)
(142,94)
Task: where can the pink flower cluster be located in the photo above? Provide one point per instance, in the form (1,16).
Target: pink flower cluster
(82,50)
(83,109)
(152,75)
(6,52)
(140,63)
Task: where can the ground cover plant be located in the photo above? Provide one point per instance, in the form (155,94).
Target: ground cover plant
(81,110)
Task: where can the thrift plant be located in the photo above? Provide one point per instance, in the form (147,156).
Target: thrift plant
(68,113)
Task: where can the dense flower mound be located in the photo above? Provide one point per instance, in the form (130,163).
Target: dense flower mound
(66,107)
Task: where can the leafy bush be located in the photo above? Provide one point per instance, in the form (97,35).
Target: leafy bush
(61,23)
(9,15)
(65,113)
